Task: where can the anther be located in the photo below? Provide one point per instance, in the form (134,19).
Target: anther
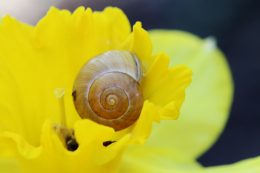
(71,143)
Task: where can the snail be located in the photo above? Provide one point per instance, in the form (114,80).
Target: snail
(107,89)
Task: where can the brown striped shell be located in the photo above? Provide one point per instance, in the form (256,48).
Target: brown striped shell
(107,89)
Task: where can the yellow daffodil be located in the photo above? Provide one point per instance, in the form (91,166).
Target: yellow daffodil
(38,66)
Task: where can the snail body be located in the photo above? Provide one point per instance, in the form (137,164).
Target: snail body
(107,89)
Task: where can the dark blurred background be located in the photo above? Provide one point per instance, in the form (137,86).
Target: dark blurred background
(236,25)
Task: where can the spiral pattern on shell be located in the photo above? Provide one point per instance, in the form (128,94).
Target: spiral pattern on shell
(107,89)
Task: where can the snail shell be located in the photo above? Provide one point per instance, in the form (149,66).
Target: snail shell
(107,89)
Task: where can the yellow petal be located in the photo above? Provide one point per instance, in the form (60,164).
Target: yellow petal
(15,55)
(208,100)
(82,35)
(140,43)
(154,160)
(245,166)
(36,61)
(143,126)
(9,166)
(170,111)
(51,155)
(165,86)
(154,163)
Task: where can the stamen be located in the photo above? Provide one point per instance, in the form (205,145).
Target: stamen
(67,137)
(65,134)
(59,94)
(71,143)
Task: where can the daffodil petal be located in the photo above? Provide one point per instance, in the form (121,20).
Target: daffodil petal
(49,56)
(82,35)
(60,44)
(15,40)
(165,87)
(143,126)
(140,44)
(153,160)
(9,166)
(52,154)
(101,154)
(169,111)
(245,166)
(161,162)
(157,70)
(208,100)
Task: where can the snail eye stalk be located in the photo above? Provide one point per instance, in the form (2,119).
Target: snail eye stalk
(107,89)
